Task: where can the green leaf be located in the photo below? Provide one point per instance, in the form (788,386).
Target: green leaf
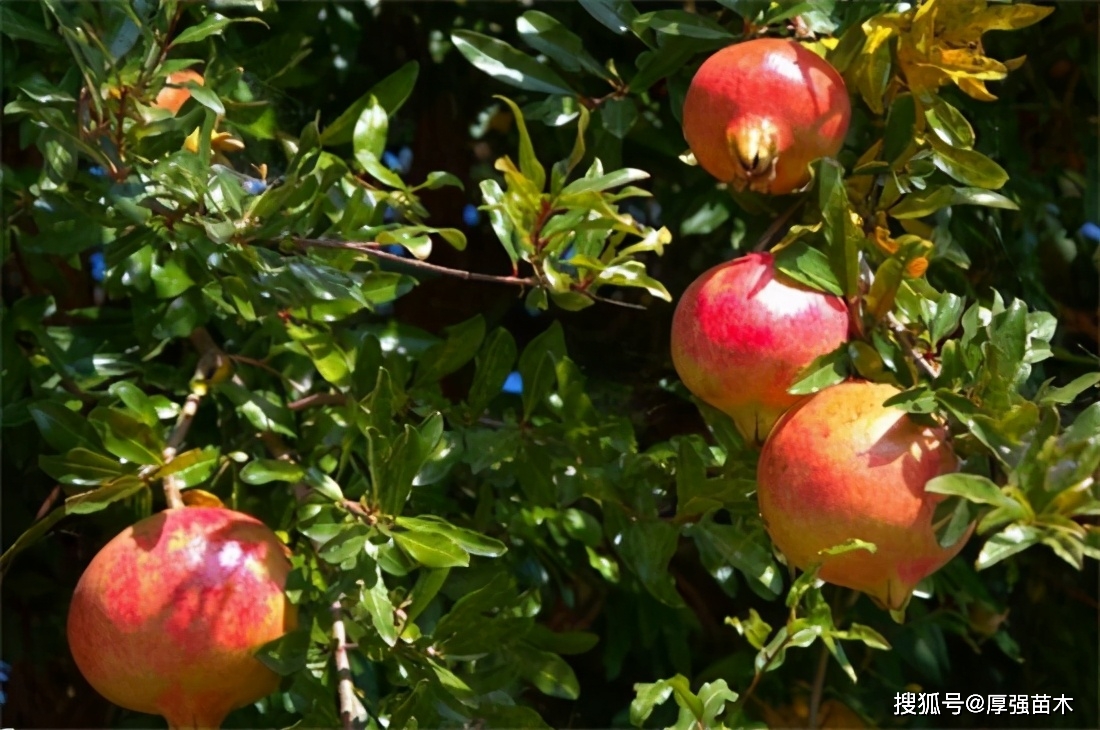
(262,471)
(900,126)
(191,467)
(17,26)
(924,202)
(98,499)
(376,601)
(949,124)
(682,23)
(714,696)
(1067,393)
(286,655)
(349,542)
(824,371)
(529,164)
(604,182)
(546,35)
(741,549)
(967,166)
(390,93)
(211,25)
(616,15)
(648,696)
(472,542)
(755,629)
(62,428)
(504,63)
(1007,542)
(973,487)
(809,266)
(461,344)
(618,116)
(647,546)
(207,97)
(127,437)
(978,196)
(494,363)
(428,583)
(136,400)
(432,550)
(81,467)
(550,674)
(673,54)
(843,242)
(369,135)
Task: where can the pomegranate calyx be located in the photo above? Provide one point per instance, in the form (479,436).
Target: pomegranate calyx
(754,148)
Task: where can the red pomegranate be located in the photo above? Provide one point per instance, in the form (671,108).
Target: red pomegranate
(168,615)
(841,465)
(757,113)
(742,332)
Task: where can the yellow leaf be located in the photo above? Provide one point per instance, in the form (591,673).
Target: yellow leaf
(975,89)
(201,498)
(1009,17)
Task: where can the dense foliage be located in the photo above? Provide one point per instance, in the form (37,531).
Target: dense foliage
(487,470)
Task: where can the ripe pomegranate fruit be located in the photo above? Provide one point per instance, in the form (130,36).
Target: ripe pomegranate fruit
(171,98)
(757,113)
(742,332)
(841,465)
(168,614)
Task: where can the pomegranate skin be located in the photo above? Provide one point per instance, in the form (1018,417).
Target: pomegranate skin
(758,112)
(742,332)
(840,465)
(167,616)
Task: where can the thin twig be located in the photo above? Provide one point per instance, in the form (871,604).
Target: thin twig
(371,249)
(318,399)
(818,686)
(345,687)
(765,239)
(930,368)
(172,484)
(48,504)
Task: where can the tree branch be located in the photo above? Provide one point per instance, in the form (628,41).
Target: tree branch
(349,703)
(318,399)
(818,686)
(765,239)
(371,248)
(932,369)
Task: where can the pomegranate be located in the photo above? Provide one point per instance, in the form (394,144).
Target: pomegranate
(168,615)
(757,113)
(742,332)
(171,98)
(841,465)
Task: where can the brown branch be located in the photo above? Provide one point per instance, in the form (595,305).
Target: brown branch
(765,239)
(818,686)
(371,249)
(932,369)
(318,399)
(345,688)
(48,504)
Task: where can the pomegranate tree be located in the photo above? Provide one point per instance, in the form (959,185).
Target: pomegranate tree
(168,615)
(841,465)
(742,332)
(758,113)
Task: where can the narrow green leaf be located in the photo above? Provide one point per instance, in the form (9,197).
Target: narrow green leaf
(391,92)
(432,550)
(529,164)
(504,63)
